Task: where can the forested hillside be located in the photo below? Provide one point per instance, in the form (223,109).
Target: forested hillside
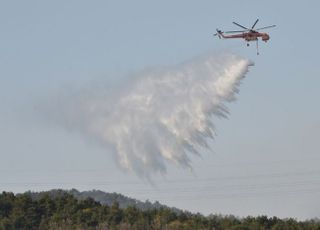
(62,210)
(106,198)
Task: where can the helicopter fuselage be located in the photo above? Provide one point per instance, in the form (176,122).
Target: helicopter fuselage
(248,36)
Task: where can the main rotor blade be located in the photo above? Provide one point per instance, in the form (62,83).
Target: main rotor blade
(254,24)
(266,27)
(240,26)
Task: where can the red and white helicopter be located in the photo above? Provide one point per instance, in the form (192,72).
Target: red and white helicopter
(246,34)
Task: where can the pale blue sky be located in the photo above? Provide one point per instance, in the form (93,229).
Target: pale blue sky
(266,158)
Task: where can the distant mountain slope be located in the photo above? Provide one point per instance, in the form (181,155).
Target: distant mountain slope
(59,209)
(106,198)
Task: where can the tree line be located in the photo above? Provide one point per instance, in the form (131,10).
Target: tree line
(64,211)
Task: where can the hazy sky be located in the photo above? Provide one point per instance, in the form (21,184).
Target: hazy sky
(266,155)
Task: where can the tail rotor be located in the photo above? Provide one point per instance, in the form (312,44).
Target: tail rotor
(219,32)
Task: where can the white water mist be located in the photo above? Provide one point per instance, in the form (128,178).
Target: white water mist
(163,115)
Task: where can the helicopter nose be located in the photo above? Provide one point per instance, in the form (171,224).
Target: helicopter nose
(265,37)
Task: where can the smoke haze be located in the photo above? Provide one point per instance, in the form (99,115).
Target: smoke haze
(162,115)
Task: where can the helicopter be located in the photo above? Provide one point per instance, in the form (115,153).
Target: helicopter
(248,34)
